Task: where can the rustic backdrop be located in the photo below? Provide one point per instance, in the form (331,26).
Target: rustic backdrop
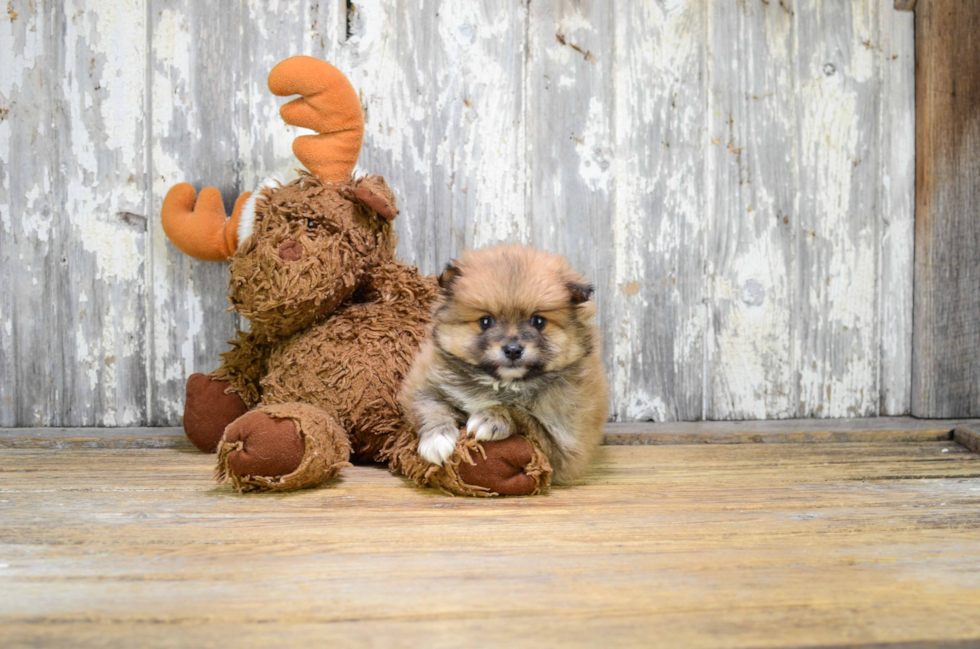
(737,177)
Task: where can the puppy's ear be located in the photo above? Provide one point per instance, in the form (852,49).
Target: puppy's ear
(580,292)
(373,193)
(448,277)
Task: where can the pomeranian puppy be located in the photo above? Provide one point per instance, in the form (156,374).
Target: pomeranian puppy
(513,348)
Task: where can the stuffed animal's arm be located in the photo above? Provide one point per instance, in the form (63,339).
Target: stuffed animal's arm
(244,365)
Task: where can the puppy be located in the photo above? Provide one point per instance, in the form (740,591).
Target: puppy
(513,348)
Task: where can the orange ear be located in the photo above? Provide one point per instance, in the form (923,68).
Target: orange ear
(197,225)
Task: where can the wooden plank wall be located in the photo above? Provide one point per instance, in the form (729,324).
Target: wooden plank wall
(736,177)
(946,364)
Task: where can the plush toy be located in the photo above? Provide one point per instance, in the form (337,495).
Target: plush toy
(334,318)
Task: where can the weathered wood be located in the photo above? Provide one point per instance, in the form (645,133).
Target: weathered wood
(836,342)
(570,88)
(968,436)
(776,131)
(905,5)
(837,544)
(91,438)
(267,37)
(443,88)
(72,214)
(752,187)
(895,53)
(786,431)
(782,431)
(584,127)
(196,88)
(629,629)
(946,360)
(657,339)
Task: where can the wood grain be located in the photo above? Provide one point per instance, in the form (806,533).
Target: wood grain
(269,36)
(752,185)
(791,122)
(73,215)
(571,91)
(786,431)
(836,345)
(877,429)
(443,88)
(895,53)
(197,84)
(657,339)
(946,363)
(968,436)
(89,438)
(695,159)
(751,545)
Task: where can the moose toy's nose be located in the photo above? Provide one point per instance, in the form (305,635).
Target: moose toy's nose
(513,351)
(290,250)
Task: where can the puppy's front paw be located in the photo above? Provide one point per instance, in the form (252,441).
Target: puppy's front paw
(437,444)
(489,425)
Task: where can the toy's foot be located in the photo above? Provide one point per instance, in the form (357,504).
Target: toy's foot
(504,469)
(264,445)
(208,410)
(282,447)
(514,466)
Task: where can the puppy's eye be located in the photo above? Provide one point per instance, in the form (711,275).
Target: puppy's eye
(486,322)
(538,322)
(311,224)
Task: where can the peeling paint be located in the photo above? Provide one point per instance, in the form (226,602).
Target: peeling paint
(658,339)
(747,223)
(71,154)
(594,152)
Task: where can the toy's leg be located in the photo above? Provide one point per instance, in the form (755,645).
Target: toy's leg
(282,447)
(510,467)
(208,410)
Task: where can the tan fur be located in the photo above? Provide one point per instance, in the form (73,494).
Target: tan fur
(461,376)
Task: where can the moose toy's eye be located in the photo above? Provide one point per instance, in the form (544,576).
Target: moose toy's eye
(311,224)
(486,322)
(538,322)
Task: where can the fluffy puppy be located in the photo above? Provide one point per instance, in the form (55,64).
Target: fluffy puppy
(513,349)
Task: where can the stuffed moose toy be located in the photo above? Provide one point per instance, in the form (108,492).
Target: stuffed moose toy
(335,319)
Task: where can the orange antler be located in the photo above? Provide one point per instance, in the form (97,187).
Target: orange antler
(197,225)
(330,107)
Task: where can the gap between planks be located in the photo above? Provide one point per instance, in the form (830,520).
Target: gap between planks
(965,432)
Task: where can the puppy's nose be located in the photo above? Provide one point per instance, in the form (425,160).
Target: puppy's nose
(290,250)
(513,351)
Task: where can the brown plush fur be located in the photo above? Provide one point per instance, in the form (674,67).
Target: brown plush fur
(551,389)
(335,324)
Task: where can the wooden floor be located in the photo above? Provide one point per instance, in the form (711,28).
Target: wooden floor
(739,545)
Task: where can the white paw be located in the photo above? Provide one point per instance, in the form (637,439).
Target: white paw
(487,427)
(437,444)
